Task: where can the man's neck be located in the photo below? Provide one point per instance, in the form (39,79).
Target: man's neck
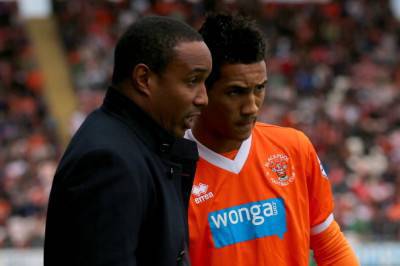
(213,140)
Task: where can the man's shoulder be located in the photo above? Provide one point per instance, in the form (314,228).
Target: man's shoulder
(275,130)
(101,134)
(280,134)
(100,127)
(96,151)
(101,120)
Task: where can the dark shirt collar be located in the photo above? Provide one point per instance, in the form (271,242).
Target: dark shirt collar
(131,114)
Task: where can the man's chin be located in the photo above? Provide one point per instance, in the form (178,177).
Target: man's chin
(189,122)
(244,133)
(178,132)
(242,136)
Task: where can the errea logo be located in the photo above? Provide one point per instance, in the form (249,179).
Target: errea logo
(200,193)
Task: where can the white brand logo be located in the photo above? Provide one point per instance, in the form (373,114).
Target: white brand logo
(254,213)
(200,193)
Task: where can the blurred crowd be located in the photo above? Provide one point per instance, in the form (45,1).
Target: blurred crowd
(334,73)
(29,148)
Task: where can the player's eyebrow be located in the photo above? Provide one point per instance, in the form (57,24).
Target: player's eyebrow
(262,84)
(241,87)
(200,69)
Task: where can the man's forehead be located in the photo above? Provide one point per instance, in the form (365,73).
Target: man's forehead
(254,73)
(192,53)
(183,45)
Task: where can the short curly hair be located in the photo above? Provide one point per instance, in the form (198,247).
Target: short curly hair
(231,39)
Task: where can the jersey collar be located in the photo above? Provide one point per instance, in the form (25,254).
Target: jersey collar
(234,166)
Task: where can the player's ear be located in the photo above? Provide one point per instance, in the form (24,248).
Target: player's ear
(141,79)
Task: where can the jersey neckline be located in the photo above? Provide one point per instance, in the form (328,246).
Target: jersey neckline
(234,166)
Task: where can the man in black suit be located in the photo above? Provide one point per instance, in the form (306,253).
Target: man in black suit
(120,193)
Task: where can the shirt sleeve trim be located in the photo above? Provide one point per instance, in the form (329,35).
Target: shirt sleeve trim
(322,226)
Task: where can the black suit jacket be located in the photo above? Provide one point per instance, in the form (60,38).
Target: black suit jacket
(120,193)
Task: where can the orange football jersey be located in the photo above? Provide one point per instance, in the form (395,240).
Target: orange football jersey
(261,207)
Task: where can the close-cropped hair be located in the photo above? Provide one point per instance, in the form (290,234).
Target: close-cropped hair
(232,39)
(150,41)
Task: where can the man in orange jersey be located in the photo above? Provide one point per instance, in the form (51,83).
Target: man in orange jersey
(260,195)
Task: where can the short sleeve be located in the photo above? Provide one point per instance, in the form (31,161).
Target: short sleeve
(319,189)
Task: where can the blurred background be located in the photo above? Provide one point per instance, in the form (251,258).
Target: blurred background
(334,72)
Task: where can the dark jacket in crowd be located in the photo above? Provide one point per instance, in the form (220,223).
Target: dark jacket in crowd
(120,193)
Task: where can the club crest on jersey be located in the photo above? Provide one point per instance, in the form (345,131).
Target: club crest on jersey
(279,169)
(200,193)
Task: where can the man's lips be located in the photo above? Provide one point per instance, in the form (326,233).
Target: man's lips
(194,114)
(246,122)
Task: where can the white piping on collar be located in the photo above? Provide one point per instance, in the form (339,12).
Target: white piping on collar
(234,166)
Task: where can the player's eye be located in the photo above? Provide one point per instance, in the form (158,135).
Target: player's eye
(236,91)
(260,88)
(193,80)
